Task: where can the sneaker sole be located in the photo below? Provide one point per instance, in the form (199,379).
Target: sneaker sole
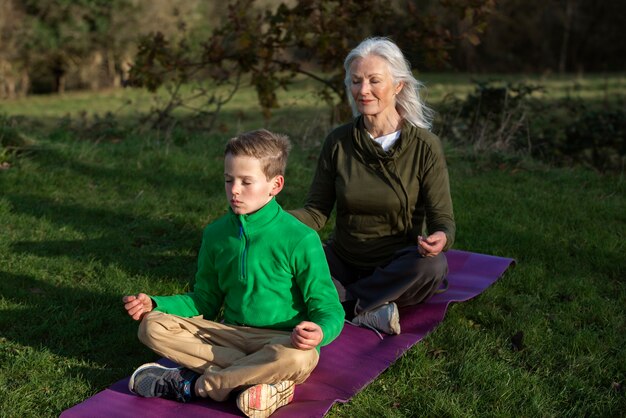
(131,382)
(256,402)
(395,321)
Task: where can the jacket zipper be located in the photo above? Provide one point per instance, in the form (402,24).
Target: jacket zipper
(244,252)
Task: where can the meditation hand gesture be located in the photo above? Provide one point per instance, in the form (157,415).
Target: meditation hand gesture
(138,305)
(306,335)
(432,244)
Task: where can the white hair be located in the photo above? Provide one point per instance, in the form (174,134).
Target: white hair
(408,102)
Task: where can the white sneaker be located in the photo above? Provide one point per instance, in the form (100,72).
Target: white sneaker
(385,319)
(260,401)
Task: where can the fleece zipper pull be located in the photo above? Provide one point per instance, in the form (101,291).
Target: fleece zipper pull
(243,252)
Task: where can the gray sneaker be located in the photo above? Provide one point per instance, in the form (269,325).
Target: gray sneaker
(155,381)
(385,319)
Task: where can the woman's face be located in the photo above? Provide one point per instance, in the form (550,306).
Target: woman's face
(372,86)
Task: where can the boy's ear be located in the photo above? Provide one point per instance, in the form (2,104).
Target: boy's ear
(277,185)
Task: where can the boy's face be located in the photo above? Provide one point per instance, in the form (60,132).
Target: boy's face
(247,188)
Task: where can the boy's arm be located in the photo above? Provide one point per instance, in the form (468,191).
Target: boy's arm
(319,293)
(205,298)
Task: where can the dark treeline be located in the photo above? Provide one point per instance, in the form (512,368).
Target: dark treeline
(550,35)
(55,45)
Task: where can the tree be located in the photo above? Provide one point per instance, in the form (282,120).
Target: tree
(59,37)
(89,43)
(14,80)
(558,35)
(306,37)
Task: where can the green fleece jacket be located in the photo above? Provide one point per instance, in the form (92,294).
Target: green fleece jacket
(267,270)
(384,200)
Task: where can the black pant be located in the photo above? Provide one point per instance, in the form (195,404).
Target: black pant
(408,279)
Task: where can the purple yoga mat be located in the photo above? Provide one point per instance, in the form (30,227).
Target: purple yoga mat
(346,365)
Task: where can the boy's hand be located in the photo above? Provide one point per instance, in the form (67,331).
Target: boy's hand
(137,305)
(306,335)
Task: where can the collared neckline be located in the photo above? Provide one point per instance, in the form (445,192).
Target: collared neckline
(259,218)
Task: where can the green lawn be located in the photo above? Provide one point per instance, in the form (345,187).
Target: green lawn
(83,222)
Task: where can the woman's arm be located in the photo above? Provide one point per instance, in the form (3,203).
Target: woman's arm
(437,198)
(321,197)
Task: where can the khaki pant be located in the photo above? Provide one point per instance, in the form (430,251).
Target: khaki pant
(228,357)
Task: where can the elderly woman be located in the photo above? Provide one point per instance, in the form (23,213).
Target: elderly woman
(387,176)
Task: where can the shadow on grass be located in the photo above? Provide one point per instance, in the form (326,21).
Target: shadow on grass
(64,210)
(293,117)
(139,246)
(75,324)
(102,200)
(128,165)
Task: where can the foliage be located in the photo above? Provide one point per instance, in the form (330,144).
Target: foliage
(558,36)
(50,45)
(96,128)
(64,35)
(12,141)
(271,47)
(494,117)
(598,138)
(510,119)
(161,63)
(574,131)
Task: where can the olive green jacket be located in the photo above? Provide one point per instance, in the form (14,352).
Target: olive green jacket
(384,200)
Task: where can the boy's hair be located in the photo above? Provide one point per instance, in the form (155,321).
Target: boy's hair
(270,148)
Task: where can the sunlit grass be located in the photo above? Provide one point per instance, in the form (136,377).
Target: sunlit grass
(132,102)
(84,222)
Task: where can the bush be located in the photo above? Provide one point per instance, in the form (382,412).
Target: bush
(492,118)
(507,119)
(107,127)
(12,141)
(597,138)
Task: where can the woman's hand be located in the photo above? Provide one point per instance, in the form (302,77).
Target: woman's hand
(432,244)
(137,305)
(306,335)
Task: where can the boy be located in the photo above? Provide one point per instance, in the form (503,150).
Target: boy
(269,274)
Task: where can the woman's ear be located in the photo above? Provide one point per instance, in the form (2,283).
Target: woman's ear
(399,87)
(277,185)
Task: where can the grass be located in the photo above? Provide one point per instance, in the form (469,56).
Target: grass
(83,223)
